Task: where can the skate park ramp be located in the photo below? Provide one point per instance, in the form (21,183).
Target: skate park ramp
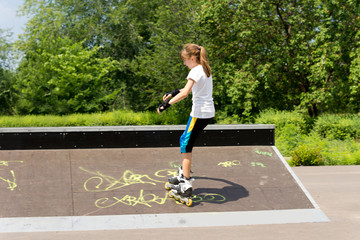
(123,188)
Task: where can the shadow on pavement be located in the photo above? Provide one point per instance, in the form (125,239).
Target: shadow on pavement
(230,193)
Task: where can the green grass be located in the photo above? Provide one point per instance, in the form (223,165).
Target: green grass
(116,118)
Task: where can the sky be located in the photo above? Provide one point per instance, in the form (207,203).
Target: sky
(9,19)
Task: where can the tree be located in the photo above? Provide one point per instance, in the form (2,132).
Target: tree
(285,55)
(5,49)
(333,85)
(274,52)
(159,67)
(73,80)
(6,73)
(121,28)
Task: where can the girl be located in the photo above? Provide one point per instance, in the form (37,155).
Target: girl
(199,82)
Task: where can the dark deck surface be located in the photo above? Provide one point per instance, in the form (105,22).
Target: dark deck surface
(131,181)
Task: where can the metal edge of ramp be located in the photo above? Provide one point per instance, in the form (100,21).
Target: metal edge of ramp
(316,206)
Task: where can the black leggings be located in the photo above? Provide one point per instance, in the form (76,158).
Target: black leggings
(193,128)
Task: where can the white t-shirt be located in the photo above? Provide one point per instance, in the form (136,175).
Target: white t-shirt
(203,103)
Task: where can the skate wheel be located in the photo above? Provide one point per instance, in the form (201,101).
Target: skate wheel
(189,203)
(182,201)
(171,195)
(167,187)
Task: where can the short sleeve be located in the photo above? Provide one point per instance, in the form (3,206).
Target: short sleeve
(195,74)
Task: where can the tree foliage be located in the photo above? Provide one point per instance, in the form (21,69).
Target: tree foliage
(284,54)
(98,55)
(159,65)
(73,80)
(6,75)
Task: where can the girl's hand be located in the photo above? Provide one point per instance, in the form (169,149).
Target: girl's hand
(166,97)
(171,94)
(163,107)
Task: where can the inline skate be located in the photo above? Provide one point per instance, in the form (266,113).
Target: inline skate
(173,181)
(183,191)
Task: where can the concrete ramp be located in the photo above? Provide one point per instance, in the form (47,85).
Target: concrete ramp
(123,188)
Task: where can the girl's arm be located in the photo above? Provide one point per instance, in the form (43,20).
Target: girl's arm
(183,92)
(180,96)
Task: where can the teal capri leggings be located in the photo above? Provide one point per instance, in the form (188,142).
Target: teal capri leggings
(193,128)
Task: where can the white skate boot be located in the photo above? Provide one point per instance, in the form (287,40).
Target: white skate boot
(173,181)
(183,191)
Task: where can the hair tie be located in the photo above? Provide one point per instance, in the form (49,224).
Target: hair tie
(199,48)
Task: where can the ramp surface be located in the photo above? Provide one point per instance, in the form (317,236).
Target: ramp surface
(127,185)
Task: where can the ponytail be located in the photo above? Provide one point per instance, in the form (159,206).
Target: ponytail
(199,52)
(204,61)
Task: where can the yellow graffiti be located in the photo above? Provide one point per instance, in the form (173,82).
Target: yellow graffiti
(172,164)
(105,182)
(230,163)
(263,153)
(6,163)
(101,182)
(146,200)
(166,173)
(209,197)
(11,183)
(254,164)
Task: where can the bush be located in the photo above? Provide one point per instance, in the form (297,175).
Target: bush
(339,127)
(307,155)
(315,150)
(337,152)
(223,118)
(289,128)
(288,138)
(283,118)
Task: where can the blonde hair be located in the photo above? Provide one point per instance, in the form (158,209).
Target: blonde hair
(199,52)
